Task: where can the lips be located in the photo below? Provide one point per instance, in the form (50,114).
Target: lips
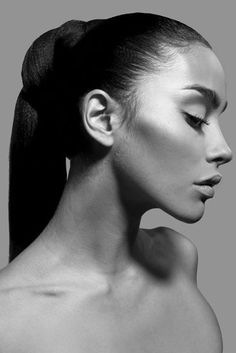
(206,190)
(205,185)
(210,181)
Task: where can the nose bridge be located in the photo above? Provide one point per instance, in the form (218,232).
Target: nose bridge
(219,151)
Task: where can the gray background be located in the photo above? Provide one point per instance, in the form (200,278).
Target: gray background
(22,21)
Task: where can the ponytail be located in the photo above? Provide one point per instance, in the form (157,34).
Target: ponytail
(37,157)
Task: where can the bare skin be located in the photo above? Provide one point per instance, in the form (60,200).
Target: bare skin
(153,307)
(93,281)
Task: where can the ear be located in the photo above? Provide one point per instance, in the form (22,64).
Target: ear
(101,116)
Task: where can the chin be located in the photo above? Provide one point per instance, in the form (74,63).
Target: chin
(190,220)
(190,215)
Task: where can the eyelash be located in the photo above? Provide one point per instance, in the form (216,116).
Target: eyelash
(196,120)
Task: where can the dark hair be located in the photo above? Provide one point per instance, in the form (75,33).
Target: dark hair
(59,68)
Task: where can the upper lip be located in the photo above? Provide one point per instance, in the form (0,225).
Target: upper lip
(213,180)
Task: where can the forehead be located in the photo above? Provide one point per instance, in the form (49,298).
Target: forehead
(197,66)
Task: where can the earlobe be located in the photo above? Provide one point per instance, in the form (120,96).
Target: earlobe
(99,115)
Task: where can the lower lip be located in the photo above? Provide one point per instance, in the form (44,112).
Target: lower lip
(206,190)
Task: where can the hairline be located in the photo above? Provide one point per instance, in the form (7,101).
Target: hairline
(133,101)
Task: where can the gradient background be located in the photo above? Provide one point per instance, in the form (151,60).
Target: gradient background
(21,22)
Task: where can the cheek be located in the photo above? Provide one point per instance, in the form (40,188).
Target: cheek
(161,156)
(168,146)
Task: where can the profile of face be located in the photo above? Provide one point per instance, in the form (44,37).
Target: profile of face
(168,149)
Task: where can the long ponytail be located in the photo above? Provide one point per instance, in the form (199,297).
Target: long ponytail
(37,158)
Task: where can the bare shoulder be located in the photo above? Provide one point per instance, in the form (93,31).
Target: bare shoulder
(176,248)
(175,253)
(5,279)
(11,298)
(187,250)
(8,279)
(5,302)
(6,289)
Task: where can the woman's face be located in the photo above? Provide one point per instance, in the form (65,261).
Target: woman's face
(167,150)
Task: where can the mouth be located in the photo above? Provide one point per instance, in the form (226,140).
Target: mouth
(205,186)
(206,190)
(211,181)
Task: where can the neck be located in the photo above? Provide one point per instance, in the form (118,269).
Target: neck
(93,228)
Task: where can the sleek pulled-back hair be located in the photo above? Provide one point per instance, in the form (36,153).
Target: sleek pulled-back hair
(59,68)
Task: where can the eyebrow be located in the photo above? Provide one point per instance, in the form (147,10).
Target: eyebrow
(209,95)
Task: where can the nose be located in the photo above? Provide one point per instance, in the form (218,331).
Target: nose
(220,152)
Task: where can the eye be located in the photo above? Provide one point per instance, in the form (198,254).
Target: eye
(195,121)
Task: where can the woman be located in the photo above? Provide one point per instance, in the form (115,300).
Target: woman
(133,101)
